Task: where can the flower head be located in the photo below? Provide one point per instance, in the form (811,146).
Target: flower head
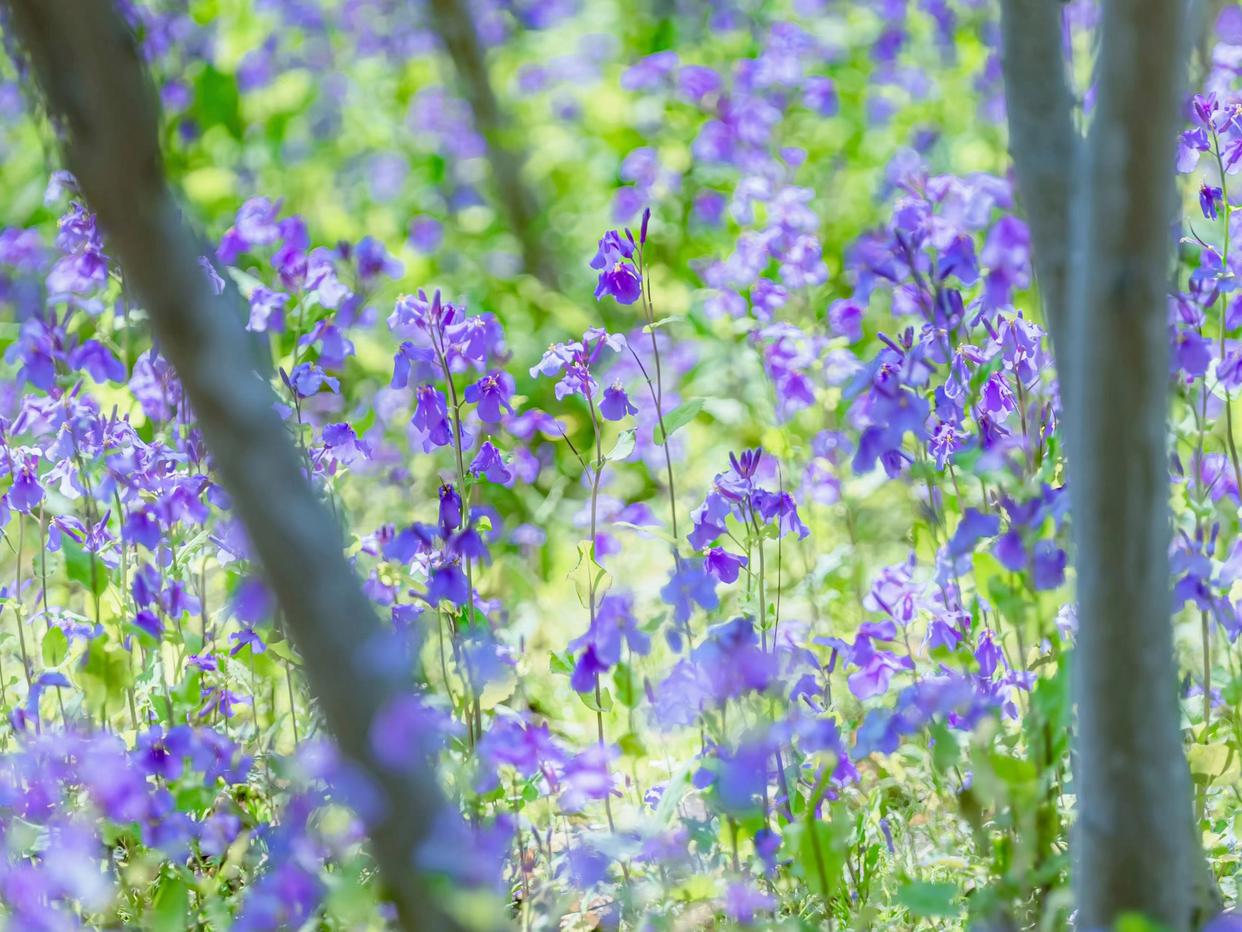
(617,274)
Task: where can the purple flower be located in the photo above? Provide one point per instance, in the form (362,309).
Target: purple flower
(431,417)
(343,441)
(1210,199)
(448,583)
(425,234)
(488,462)
(247,637)
(649,72)
(1204,108)
(98,360)
(307,379)
(974,526)
(1010,551)
(615,404)
(746,465)
(696,82)
(845,318)
(409,543)
(374,260)
(267,310)
(450,508)
(26,493)
(743,901)
(876,669)
(150,623)
(617,275)
(689,584)
(601,646)
(708,521)
(404,731)
(988,655)
(142,527)
(1048,566)
(1229,371)
(490,394)
(1192,353)
(1190,145)
(780,505)
(586,777)
(820,94)
(997,400)
(724,565)
(587,670)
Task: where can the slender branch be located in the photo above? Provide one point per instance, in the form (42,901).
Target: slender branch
(454,24)
(1042,142)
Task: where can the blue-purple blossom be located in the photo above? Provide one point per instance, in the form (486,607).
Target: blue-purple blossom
(490,394)
(617,275)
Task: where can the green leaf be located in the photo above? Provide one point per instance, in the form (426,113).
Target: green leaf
(673,793)
(645,529)
(1015,772)
(632,745)
(1135,922)
(925,899)
(603,705)
(663,322)
(678,418)
(55,647)
(217,102)
(588,574)
(623,447)
(105,675)
(1213,763)
(283,650)
(629,692)
(172,903)
(946,750)
(562,663)
(78,565)
(821,848)
(144,637)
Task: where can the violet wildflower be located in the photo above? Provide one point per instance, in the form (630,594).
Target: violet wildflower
(1048,566)
(687,585)
(615,404)
(974,526)
(617,275)
(450,508)
(448,583)
(431,417)
(488,462)
(490,394)
(1210,201)
(724,565)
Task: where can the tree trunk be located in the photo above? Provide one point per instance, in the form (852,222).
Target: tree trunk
(1134,849)
(98,95)
(1100,230)
(454,25)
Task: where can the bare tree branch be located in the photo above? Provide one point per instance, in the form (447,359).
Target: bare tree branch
(1134,846)
(454,24)
(96,89)
(1042,141)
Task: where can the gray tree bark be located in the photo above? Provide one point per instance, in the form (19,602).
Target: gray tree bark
(1042,142)
(1100,229)
(97,93)
(1134,849)
(454,24)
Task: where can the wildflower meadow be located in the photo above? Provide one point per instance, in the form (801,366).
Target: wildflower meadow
(668,465)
